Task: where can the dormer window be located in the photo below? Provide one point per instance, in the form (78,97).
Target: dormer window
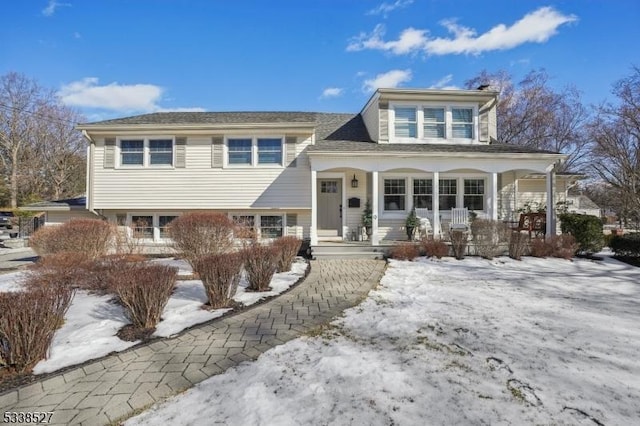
(433,122)
(462,123)
(406,123)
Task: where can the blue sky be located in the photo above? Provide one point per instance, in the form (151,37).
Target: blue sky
(113,58)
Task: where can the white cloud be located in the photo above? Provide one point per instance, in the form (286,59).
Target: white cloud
(114,96)
(443,83)
(385,8)
(390,79)
(121,98)
(77,35)
(52,6)
(410,40)
(331,92)
(535,27)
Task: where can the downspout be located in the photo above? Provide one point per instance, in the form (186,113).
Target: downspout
(90,172)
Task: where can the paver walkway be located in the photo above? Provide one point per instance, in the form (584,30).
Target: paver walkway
(117,386)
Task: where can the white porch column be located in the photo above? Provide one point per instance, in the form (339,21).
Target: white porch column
(313,232)
(551,215)
(375,239)
(436,205)
(493,196)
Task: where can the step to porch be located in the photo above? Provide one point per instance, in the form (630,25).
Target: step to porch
(334,250)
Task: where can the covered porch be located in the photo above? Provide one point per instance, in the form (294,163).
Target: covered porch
(342,187)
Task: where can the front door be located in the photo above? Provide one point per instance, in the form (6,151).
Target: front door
(330,206)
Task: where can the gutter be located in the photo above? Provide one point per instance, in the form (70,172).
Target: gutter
(90,172)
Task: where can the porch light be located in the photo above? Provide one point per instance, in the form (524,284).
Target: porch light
(354,182)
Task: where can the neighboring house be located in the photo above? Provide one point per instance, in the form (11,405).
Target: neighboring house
(310,174)
(60,211)
(583,205)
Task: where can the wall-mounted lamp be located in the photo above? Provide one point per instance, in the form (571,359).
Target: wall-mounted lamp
(354,182)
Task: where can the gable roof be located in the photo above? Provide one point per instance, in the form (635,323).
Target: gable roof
(335,132)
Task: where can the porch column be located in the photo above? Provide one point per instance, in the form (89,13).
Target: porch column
(493,196)
(551,215)
(436,205)
(313,232)
(375,239)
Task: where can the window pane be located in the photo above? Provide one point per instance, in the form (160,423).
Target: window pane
(163,223)
(422,193)
(132,152)
(434,126)
(239,151)
(462,126)
(474,194)
(269,151)
(161,152)
(142,226)
(394,194)
(271,226)
(405,122)
(245,226)
(448,190)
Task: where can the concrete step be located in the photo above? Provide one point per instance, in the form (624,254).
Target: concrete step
(341,251)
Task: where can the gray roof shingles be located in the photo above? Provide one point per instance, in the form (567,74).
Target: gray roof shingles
(335,132)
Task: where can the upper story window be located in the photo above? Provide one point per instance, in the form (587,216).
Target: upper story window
(406,123)
(462,123)
(160,152)
(146,152)
(132,152)
(433,122)
(270,151)
(254,152)
(240,151)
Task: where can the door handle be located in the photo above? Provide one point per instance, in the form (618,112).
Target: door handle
(340,211)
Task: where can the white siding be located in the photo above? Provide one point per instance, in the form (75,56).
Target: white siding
(372,120)
(199,186)
(58,218)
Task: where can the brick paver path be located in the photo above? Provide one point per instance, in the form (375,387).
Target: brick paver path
(117,386)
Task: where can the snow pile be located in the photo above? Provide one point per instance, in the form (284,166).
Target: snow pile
(542,341)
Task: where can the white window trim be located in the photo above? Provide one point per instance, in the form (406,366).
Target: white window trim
(257,221)
(146,153)
(402,214)
(254,152)
(448,119)
(155,224)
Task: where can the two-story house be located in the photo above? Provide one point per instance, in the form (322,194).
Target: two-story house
(311,174)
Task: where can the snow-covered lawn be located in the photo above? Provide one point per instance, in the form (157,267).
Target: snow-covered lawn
(542,341)
(91,324)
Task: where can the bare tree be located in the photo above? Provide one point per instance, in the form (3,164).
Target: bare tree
(60,151)
(532,114)
(41,155)
(616,135)
(19,96)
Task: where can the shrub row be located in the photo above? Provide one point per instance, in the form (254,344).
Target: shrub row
(563,246)
(91,237)
(28,321)
(627,245)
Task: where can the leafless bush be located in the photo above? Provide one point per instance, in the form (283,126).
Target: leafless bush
(28,321)
(564,246)
(434,248)
(489,237)
(128,241)
(518,244)
(540,248)
(286,250)
(144,290)
(458,243)
(260,265)
(70,269)
(405,251)
(198,234)
(91,237)
(220,275)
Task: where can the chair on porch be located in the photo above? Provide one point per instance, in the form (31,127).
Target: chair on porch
(424,229)
(459,219)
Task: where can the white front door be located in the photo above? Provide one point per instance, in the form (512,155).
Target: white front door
(330,206)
